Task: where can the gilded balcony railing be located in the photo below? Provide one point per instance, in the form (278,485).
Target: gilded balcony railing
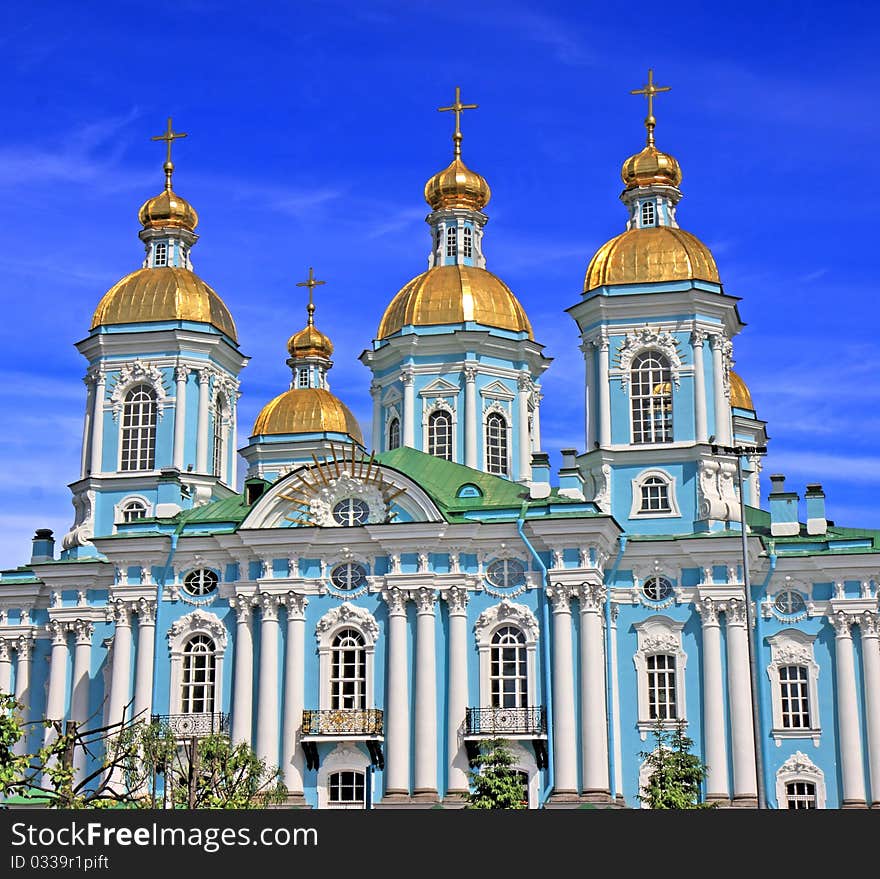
(188,725)
(343,721)
(528,721)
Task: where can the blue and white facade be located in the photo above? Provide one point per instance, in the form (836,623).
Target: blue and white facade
(366,619)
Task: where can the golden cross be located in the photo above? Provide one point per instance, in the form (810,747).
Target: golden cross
(649,91)
(458,108)
(169,137)
(311,283)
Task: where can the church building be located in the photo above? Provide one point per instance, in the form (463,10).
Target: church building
(365,609)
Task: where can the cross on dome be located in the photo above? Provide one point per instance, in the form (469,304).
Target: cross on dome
(311,283)
(458,108)
(649,91)
(169,137)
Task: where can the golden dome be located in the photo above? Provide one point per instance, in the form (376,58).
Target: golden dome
(307,410)
(163,294)
(453,295)
(644,256)
(456,186)
(739,393)
(309,342)
(168,209)
(651,167)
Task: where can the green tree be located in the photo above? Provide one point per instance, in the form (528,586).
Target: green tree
(494,782)
(676,774)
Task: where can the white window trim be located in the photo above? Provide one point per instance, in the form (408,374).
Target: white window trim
(799,767)
(495,408)
(439,405)
(345,757)
(635,511)
(346,616)
(506,613)
(198,622)
(119,509)
(659,635)
(793,647)
(119,434)
(392,412)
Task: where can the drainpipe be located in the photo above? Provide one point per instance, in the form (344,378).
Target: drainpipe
(769,787)
(609,682)
(545,622)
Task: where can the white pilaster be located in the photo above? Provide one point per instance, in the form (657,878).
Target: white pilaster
(587,348)
(233,434)
(615,706)
(698,337)
(870,625)
(524,463)
(594,721)
(97,450)
(143,670)
(717,786)
(457,776)
(471,416)
(57,673)
(849,734)
(722,403)
(745,784)
(376,429)
(425,776)
(267,695)
(604,432)
(409,408)
(564,732)
(202,429)
(87,424)
(5,665)
(397,699)
(292,763)
(79,699)
(243,685)
(24,646)
(537,396)
(120,677)
(180,375)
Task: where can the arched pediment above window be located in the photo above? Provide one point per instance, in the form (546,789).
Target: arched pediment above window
(506,613)
(346,615)
(195,623)
(131,375)
(648,339)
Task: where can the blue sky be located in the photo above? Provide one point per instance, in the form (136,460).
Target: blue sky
(312,129)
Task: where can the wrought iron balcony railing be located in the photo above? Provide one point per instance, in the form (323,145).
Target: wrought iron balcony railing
(344,722)
(188,725)
(529,721)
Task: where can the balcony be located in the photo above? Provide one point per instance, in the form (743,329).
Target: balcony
(507,723)
(186,726)
(336,724)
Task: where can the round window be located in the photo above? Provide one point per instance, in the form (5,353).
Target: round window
(202,581)
(657,588)
(789,603)
(351,511)
(506,573)
(349,576)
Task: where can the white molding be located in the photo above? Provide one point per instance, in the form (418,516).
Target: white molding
(197,622)
(440,388)
(799,767)
(498,409)
(129,498)
(138,372)
(506,613)
(345,757)
(794,647)
(345,616)
(438,404)
(497,390)
(636,512)
(659,635)
(648,339)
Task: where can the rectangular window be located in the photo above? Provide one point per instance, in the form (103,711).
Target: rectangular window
(467,242)
(649,216)
(302,379)
(451,241)
(661,687)
(795,697)
(801,795)
(655,496)
(160,254)
(346,790)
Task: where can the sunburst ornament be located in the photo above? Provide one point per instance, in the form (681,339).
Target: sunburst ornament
(346,488)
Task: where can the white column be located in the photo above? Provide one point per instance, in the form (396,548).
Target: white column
(202,430)
(425,777)
(722,404)
(143,670)
(89,382)
(471,417)
(121,663)
(589,386)
(563,720)
(537,396)
(717,786)
(292,764)
(456,708)
(745,784)
(409,408)
(267,695)
(57,674)
(849,734)
(180,374)
(243,685)
(5,665)
(870,626)
(524,463)
(698,337)
(755,480)
(233,438)
(24,646)
(594,719)
(615,705)
(397,699)
(98,423)
(79,699)
(604,420)
(376,394)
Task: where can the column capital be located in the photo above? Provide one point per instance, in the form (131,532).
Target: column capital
(736,612)
(268,607)
(717,340)
(396,600)
(181,373)
(205,375)
(375,389)
(95,375)
(591,596)
(470,374)
(524,382)
(870,623)
(146,611)
(407,375)
(425,599)
(5,650)
(560,596)
(457,600)
(242,607)
(24,644)
(84,631)
(842,623)
(58,631)
(119,612)
(708,609)
(601,342)
(296,606)
(698,337)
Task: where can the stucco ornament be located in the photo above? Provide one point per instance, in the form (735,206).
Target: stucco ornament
(135,374)
(506,612)
(715,484)
(347,614)
(645,339)
(341,488)
(197,621)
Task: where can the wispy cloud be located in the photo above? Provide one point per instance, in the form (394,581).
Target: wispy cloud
(560,37)
(822,464)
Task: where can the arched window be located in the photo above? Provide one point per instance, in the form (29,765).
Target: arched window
(655,495)
(160,254)
(440,434)
(346,790)
(394,433)
(651,398)
(508,673)
(661,686)
(139,429)
(496,444)
(348,671)
(198,680)
(133,510)
(649,217)
(219,418)
(467,243)
(451,241)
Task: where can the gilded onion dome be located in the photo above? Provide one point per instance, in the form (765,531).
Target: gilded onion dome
(455,294)
(651,167)
(307,410)
(309,342)
(168,210)
(456,186)
(740,397)
(163,294)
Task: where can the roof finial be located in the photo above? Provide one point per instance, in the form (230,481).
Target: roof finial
(649,91)
(457,108)
(169,137)
(311,283)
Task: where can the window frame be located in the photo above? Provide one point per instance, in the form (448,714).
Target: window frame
(799,768)
(792,647)
(642,404)
(342,658)
(636,511)
(393,434)
(345,616)
(500,673)
(430,440)
(658,635)
(645,208)
(150,425)
(197,622)
(451,242)
(218,451)
(207,687)
(503,445)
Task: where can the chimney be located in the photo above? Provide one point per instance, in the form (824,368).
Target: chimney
(540,484)
(570,482)
(783,509)
(816,521)
(43,546)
